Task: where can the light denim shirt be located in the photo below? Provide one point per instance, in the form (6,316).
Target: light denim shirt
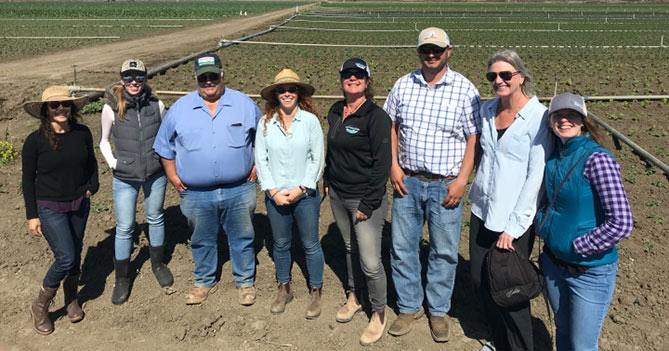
(288,159)
(505,192)
(209,150)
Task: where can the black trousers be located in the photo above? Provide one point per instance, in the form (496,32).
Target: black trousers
(511,327)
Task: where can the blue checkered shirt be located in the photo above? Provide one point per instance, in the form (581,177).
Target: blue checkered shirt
(434,122)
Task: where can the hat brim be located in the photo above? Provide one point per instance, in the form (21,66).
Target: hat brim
(34,108)
(207,69)
(306,90)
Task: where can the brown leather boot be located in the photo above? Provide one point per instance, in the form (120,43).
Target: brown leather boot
(314,309)
(284,296)
(40,311)
(70,288)
(348,311)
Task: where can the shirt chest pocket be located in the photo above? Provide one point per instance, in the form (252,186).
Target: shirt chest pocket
(237,133)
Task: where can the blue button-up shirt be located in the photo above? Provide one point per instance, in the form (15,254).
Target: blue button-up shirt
(288,159)
(505,191)
(209,149)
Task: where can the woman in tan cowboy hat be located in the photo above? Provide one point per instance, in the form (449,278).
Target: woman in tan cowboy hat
(59,176)
(289,160)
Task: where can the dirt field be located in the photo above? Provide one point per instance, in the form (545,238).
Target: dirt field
(638,318)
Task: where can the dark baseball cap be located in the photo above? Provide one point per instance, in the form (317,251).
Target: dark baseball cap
(207,63)
(355,64)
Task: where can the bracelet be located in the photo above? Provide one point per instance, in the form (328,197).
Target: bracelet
(272,196)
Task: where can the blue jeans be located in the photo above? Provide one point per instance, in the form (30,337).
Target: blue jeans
(125,204)
(580,302)
(305,214)
(423,202)
(232,207)
(65,234)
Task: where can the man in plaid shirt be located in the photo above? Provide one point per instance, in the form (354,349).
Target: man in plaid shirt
(436,124)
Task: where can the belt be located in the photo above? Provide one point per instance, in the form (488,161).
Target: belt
(427,176)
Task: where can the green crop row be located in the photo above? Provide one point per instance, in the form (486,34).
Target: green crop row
(137,10)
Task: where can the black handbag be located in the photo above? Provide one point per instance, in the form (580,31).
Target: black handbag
(512,279)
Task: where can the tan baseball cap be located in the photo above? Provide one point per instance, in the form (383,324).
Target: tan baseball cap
(435,36)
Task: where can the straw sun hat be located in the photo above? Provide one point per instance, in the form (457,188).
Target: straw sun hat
(53,93)
(287,76)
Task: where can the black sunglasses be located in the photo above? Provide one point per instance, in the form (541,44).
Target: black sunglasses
(505,75)
(54,104)
(290,89)
(208,77)
(436,50)
(127,78)
(357,73)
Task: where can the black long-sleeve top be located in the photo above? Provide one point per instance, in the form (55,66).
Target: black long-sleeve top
(359,157)
(62,175)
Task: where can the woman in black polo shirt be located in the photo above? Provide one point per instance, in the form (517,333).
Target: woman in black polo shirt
(357,168)
(60,174)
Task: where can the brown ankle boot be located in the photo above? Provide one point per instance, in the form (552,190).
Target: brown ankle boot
(284,296)
(314,309)
(40,311)
(70,288)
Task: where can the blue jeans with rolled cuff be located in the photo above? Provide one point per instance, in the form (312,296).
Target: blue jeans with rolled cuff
(305,214)
(64,232)
(232,207)
(409,213)
(125,204)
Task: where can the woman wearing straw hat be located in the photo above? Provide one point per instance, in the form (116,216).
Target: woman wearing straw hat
(132,115)
(59,176)
(289,160)
(357,169)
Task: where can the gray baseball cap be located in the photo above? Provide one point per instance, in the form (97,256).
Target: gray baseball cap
(568,101)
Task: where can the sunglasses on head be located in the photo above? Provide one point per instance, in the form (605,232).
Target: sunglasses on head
(436,50)
(208,77)
(358,74)
(54,104)
(127,78)
(290,89)
(505,75)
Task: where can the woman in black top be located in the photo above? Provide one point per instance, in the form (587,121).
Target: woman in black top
(357,168)
(59,176)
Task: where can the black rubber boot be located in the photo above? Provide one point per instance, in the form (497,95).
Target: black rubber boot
(122,284)
(160,270)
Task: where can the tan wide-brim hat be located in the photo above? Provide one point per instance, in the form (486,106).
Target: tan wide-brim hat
(53,93)
(287,76)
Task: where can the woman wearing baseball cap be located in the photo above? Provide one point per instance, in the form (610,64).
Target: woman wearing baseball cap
(586,215)
(132,115)
(60,174)
(289,160)
(357,169)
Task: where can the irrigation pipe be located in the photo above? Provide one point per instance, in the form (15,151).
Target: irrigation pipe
(104,37)
(616,135)
(487,30)
(456,46)
(383,97)
(637,149)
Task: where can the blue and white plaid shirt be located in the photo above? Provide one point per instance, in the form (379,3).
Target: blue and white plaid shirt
(434,122)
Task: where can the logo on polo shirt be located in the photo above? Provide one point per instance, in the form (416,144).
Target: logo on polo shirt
(351,129)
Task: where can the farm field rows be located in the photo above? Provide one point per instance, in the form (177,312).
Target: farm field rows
(639,315)
(39,27)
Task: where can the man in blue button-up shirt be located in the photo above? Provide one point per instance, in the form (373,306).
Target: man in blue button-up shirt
(206,146)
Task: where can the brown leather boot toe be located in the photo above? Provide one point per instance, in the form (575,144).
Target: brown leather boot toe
(402,324)
(39,310)
(314,309)
(284,296)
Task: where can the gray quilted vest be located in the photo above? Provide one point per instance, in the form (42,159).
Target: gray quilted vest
(134,137)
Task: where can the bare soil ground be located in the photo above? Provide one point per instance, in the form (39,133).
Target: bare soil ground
(638,318)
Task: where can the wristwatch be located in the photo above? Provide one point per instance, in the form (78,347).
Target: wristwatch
(304,190)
